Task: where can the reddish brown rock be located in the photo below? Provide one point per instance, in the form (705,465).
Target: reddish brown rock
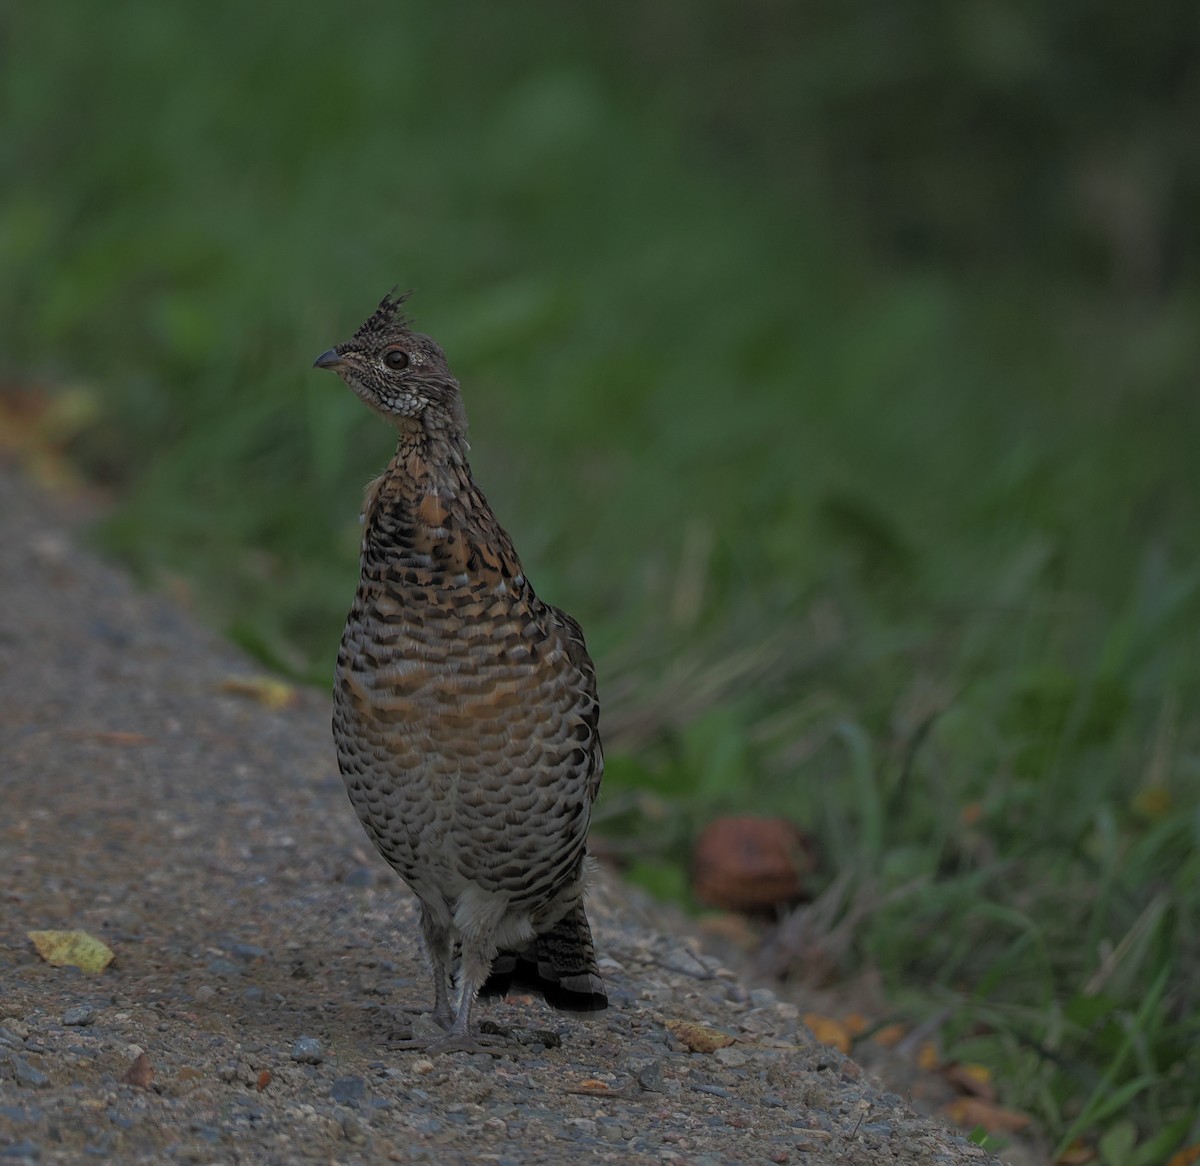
(750,863)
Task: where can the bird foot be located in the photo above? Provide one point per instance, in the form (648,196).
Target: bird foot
(453,1042)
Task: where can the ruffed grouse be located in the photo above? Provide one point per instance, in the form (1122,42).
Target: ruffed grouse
(465,710)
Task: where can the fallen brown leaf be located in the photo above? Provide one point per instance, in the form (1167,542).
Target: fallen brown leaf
(264,1079)
(593,1088)
(1078,1153)
(890,1035)
(699,1037)
(829,1031)
(140,1073)
(969,1112)
(118,737)
(971,1078)
(1185,1157)
(275,694)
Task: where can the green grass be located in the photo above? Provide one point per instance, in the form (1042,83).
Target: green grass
(836,368)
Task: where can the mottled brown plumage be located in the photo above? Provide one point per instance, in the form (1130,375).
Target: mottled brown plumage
(465,710)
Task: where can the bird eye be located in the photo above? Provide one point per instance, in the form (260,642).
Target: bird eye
(396,358)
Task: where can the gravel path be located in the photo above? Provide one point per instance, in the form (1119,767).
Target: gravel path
(264,954)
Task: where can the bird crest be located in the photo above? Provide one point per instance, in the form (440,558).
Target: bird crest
(387,318)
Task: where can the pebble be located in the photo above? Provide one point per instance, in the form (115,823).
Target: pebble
(360,876)
(762,997)
(223,967)
(81,1014)
(26,1150)
(248,951)
(348,1090)
(26,1074)
(650,1077)
(12,1039)
(308,1051)
(733,1058)
(681,960)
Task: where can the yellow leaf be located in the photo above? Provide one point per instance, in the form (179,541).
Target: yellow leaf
(275,694)
(699,1037)
(927,1056)
(1185,1157)
(890,1034)
(971,1078)
(829,1031)
(969,1112)
(74,949)
(1153,802)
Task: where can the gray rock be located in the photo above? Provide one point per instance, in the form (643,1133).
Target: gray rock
(308,1051)
(650,1076)
(222,967)
(681,960)
(28,1151)
(248,951)
(348,1090)
(81,1014)
(26,1074)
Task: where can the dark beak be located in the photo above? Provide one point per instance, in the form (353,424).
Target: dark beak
(328,359)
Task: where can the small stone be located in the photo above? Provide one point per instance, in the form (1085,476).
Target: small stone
(359,876)
(253,995)
(348,1090)
(27,1150)
(224,967)
(248,951)
(650,1077)
(204,993)
(681,960)
(308,1051)
(10,1039)
(353,1130)
(732,1058)
(80,1015)
(27,1075)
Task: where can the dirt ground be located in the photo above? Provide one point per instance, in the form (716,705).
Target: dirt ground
(264,955)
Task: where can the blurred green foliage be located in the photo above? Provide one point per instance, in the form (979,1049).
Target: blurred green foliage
(835,364)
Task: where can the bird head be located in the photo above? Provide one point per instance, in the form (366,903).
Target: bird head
(400,374)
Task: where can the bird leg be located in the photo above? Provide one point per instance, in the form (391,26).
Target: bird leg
(439,948)
(473,970)
(474,965)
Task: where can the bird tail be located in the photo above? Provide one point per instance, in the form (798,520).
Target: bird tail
(560,963)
